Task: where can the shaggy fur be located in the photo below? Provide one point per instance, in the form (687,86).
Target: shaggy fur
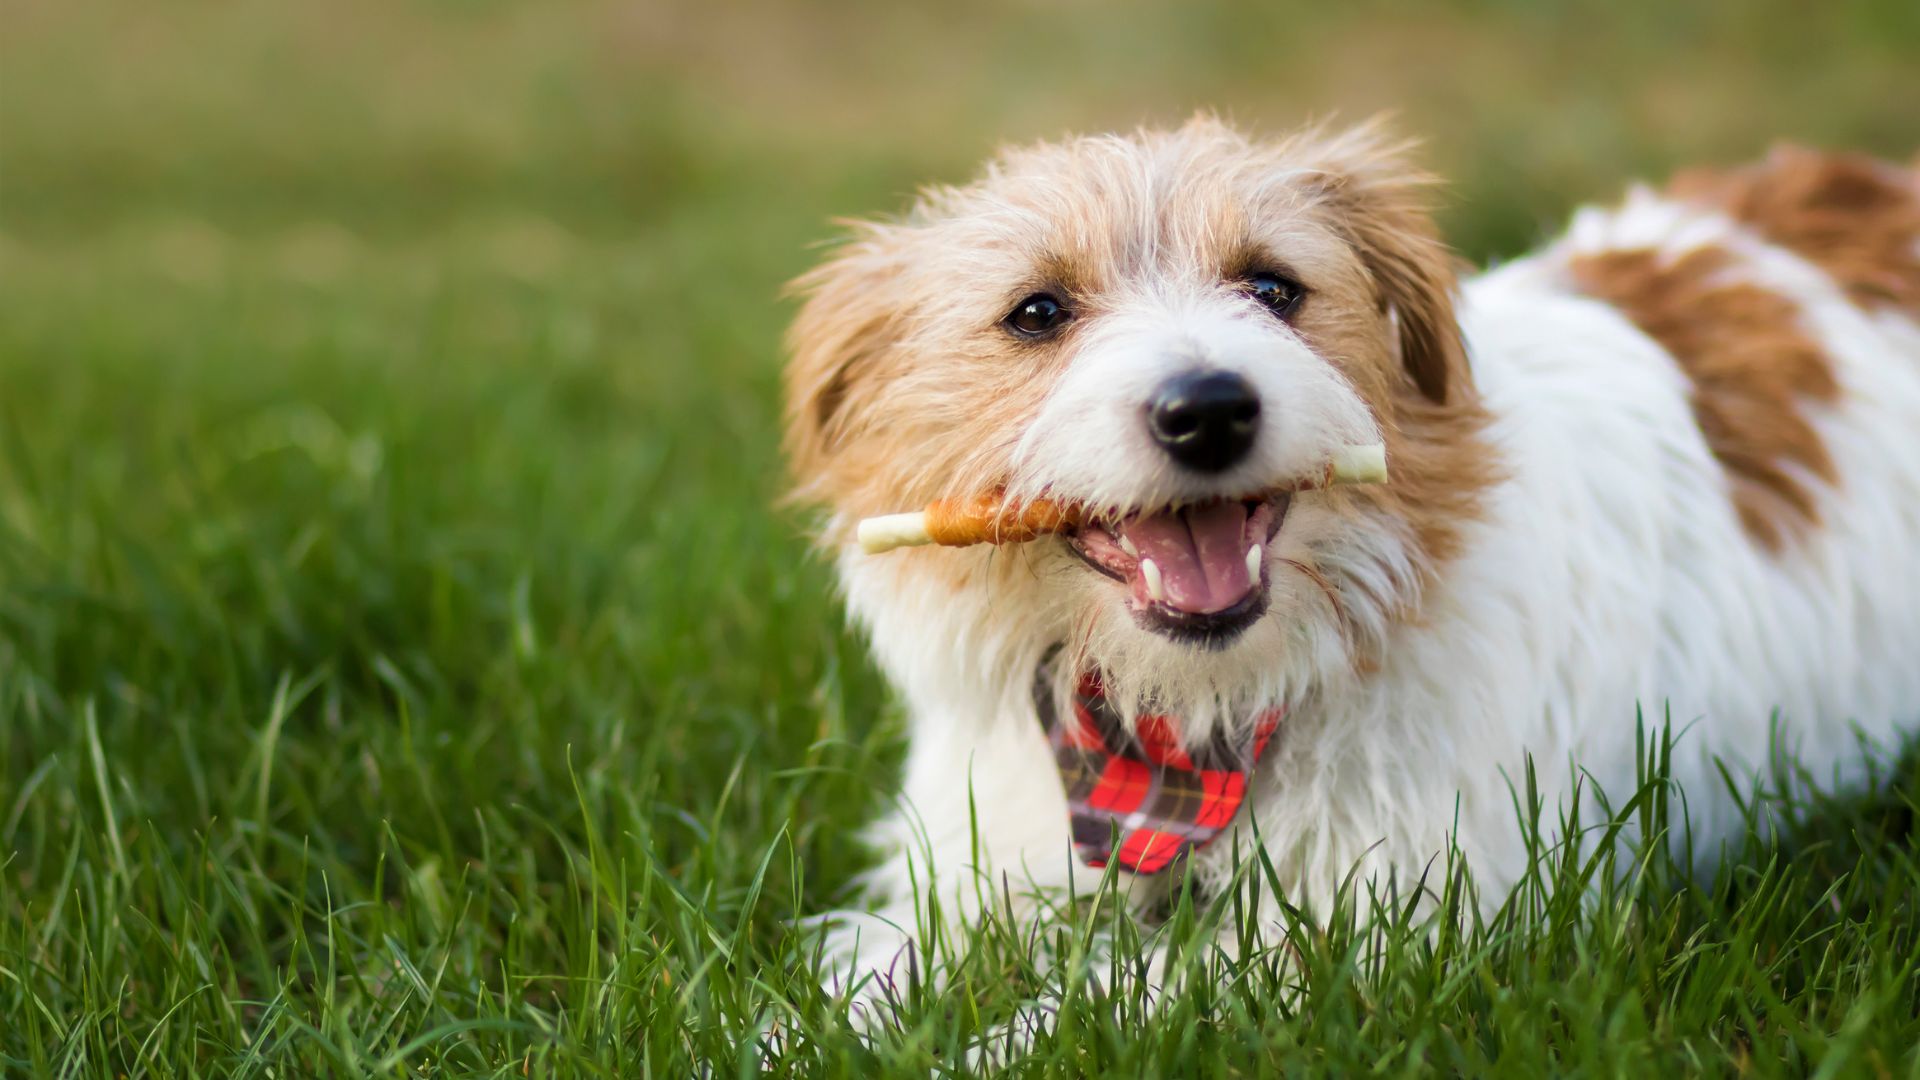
(1754,370)
(1592,475)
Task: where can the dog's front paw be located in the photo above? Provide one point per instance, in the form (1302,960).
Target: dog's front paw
(868,960)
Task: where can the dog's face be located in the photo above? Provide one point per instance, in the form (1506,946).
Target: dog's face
(1171,328)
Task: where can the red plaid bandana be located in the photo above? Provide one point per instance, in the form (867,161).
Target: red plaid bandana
(1141,798)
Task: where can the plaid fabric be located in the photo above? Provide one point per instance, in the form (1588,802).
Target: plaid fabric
(1141,798)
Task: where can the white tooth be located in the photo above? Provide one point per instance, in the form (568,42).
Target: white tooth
(1156,591)
(1253,563)
(1126,545)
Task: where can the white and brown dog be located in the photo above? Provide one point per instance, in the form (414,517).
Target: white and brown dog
(1671,463)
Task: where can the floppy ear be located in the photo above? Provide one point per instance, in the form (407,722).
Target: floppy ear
(846,323)
(1380,203)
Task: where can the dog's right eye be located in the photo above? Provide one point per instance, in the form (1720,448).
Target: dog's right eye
(1037,316)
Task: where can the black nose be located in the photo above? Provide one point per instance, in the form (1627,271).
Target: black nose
(1204,420)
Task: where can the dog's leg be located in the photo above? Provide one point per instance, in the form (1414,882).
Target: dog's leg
(981,829)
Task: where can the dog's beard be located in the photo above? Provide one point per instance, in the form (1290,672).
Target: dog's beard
(1265,665)
(1332,592)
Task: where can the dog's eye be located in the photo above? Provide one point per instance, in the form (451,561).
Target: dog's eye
(1037,316)
(1276,293)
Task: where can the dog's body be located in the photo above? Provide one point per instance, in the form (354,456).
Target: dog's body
(1671,463)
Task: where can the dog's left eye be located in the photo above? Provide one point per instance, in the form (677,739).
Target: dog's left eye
(1277,294)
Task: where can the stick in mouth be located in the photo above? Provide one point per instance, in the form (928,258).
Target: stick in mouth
(987,519)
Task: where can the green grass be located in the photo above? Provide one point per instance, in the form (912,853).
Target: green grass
(402,669)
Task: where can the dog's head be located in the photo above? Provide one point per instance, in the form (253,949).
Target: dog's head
(1170,327)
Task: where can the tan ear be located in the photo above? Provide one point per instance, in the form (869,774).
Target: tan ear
(845,324)
(1381,203)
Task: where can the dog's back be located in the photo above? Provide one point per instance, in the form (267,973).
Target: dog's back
(1710,400)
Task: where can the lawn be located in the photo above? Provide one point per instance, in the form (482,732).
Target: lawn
(405,668)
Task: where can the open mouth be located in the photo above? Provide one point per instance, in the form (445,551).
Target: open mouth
(1197,572)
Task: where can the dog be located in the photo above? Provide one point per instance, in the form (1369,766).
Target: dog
(1666,466)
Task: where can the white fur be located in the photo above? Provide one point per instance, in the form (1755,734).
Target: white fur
(1089,445)
(1610,573)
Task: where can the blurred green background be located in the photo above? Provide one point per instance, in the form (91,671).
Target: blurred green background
(388,390)
(617,120)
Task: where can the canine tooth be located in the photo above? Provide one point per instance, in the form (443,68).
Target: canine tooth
(1126,545)
(1253,563)
(1156,590)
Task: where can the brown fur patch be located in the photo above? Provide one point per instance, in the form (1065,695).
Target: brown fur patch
(1423,392)
(1753,371)
(1854,217)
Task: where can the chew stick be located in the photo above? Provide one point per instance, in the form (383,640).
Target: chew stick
(989,519)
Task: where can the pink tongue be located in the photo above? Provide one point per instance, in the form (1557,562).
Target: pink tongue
(1201,553)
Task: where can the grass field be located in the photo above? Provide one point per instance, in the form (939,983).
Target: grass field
(403,670)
